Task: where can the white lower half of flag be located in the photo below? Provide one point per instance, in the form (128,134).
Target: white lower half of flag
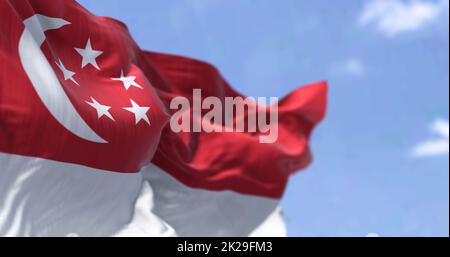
(39,197)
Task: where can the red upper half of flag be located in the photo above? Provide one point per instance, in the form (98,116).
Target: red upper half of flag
(236,161)
(75,88)
(99,68)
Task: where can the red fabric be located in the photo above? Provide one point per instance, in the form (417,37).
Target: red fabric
(235,161)
(214,161)
(27,127)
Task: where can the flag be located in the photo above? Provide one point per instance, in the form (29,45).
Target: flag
(87,146)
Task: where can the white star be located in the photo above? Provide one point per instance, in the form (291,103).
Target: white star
(89,55)
(101,109)
(140,113)
(127,81)
(67,73)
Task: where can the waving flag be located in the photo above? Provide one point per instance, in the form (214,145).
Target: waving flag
(85,142)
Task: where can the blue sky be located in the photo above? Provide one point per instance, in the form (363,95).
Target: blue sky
(381,157)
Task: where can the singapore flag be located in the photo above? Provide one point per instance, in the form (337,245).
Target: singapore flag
(86,146)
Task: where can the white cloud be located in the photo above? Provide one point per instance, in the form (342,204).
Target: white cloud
(393,17)
(353,67)
(437,146)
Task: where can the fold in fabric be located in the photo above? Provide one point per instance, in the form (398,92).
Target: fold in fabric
(234,161)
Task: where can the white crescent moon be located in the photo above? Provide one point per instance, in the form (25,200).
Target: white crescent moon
(44,79)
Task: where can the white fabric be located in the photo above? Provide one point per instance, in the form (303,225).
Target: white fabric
(40,197)
(196,212)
